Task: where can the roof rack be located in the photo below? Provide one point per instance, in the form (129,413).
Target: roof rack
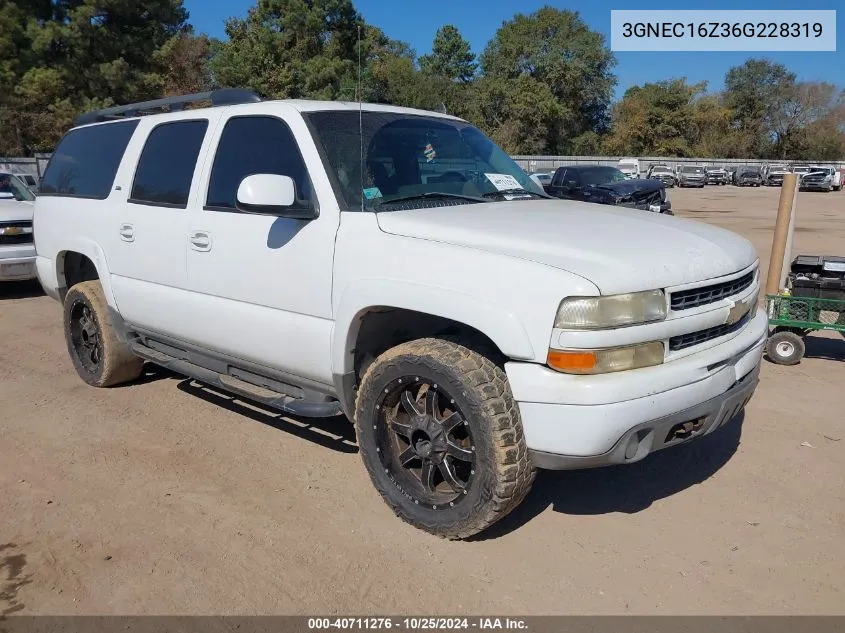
(221,97)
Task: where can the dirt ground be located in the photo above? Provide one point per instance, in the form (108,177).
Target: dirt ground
(162,497)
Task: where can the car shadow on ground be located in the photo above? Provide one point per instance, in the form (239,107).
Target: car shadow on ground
(20,290)
(335,433)
(625,489)
(825,348)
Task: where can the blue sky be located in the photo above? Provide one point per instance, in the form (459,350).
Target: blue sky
(416,21)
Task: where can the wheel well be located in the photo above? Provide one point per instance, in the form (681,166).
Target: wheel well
(78,268)
(384,328)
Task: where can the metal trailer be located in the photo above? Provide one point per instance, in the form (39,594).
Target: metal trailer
(792,318)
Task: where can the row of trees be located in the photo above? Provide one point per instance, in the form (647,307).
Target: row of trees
(542,85)
(762,112)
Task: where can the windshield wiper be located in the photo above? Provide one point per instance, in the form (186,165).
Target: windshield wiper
(430,194)
(516,192)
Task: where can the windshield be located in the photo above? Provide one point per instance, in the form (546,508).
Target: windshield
(11,184)
(412,156)
(593,176)
(692,170)
(778,168)
(660,170)
(751,170)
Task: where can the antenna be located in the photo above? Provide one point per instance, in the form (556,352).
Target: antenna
(360,118)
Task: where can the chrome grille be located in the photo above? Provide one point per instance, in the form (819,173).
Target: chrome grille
(13,233)
(683,341)
(695,297)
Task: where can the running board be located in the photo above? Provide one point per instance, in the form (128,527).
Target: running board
(274,399)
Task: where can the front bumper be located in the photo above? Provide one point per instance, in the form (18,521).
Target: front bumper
(816,185)
(573,422)
(17,263)
(689,182)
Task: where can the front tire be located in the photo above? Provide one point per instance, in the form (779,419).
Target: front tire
(100,358)
(440,434)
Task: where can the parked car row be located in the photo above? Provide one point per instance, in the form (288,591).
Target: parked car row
(811,177)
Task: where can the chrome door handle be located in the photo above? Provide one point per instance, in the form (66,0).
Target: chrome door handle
(200,241)
(127,232)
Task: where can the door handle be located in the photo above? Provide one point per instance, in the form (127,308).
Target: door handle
(127,232)
(200,241)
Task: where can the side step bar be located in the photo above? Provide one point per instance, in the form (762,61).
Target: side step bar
(282,402)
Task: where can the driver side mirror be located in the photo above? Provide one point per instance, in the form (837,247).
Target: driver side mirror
(271,194)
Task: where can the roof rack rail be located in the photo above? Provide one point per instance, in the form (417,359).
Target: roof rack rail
(221,97)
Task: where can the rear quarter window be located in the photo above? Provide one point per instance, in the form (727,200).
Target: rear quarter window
(85,162)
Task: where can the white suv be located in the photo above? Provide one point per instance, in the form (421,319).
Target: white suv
(397,267)
(17,251)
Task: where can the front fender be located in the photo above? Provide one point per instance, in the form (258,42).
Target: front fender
(502,326)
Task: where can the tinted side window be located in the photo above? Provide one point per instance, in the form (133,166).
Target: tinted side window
(255,145)
(167,163)
(85,162)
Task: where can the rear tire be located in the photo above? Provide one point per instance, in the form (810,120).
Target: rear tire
(785,348)
(441,409)
(100,358)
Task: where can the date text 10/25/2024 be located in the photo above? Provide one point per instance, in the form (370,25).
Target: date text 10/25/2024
(418,623)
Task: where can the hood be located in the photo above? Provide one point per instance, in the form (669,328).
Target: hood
(626,188)
(15,210)
(616,248)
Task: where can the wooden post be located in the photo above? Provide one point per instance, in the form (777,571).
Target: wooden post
(787,253)
(782,225)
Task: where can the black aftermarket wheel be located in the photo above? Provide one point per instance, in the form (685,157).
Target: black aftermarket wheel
(785,348)
(441,437)
(98,356)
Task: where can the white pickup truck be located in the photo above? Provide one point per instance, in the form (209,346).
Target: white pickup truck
(17,251)
(396,267)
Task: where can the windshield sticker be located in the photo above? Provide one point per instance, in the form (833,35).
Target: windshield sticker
(372,193)
(429,152)
(504,182)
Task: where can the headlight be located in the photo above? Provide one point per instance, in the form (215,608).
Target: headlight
(590,313)
(605,361)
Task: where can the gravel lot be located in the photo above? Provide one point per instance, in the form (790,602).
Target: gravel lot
(163,497)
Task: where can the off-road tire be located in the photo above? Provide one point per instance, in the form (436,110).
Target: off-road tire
(503,472)
(785,348)
(116,363)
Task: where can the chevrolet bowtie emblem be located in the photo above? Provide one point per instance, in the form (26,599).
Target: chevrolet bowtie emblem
(738,311)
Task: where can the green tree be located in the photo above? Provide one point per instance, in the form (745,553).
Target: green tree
(451,56)
(62,57)
(800,106)
(755,92)
(183,62)
(557,49)
(656,119)
(521,114)
(291,49)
